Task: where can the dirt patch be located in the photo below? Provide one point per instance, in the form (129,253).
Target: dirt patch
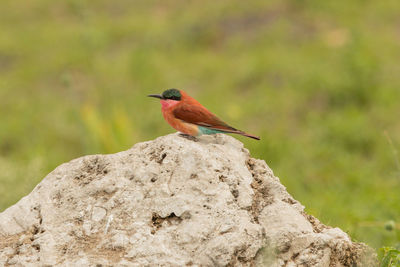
(158,154)
(24,238)
(353,255)
(157,221)
(290,201)
(14,240)
(90,245)
(262,196)
(105,195)
(318,227)
(239,260)
(21,239)
(94,167)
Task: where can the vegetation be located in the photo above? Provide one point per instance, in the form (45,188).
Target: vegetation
(389,257)
(317,80)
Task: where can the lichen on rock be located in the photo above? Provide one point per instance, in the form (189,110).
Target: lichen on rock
(169,202)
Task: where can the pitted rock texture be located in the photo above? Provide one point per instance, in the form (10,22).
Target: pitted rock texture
(169,202)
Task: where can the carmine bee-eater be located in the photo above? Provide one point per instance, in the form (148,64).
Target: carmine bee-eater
(188,116)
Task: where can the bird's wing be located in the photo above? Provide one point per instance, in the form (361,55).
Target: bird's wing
(200,116)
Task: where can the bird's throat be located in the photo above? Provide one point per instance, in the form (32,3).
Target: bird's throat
(168,103)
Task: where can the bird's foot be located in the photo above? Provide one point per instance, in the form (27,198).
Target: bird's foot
(189,137)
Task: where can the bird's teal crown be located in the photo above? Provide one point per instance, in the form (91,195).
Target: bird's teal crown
(172,93)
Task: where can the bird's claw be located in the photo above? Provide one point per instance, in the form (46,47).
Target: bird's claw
(189,137)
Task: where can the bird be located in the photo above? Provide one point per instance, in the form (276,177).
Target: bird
(188,116)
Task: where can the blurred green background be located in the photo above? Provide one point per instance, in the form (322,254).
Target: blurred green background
(319,81)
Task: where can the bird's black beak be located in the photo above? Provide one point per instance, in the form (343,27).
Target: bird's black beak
(156,96)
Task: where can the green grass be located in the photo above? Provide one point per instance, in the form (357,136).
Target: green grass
(317,80)
(389,256)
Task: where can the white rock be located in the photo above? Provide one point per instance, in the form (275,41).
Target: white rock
(98,214)
(168,202)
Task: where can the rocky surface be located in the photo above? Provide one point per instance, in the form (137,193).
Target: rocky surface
(169,202)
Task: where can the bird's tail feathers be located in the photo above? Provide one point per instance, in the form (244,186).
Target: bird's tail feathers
(249,135)
(241,133)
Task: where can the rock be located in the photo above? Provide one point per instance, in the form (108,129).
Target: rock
(169,202)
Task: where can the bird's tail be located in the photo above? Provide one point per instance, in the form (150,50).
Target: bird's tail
(226,129)
(249,135)
(242,133)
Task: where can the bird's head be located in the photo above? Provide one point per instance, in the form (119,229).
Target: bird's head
(171,94)
(169,97)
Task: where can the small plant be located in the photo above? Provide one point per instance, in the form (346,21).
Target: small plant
(390,257)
